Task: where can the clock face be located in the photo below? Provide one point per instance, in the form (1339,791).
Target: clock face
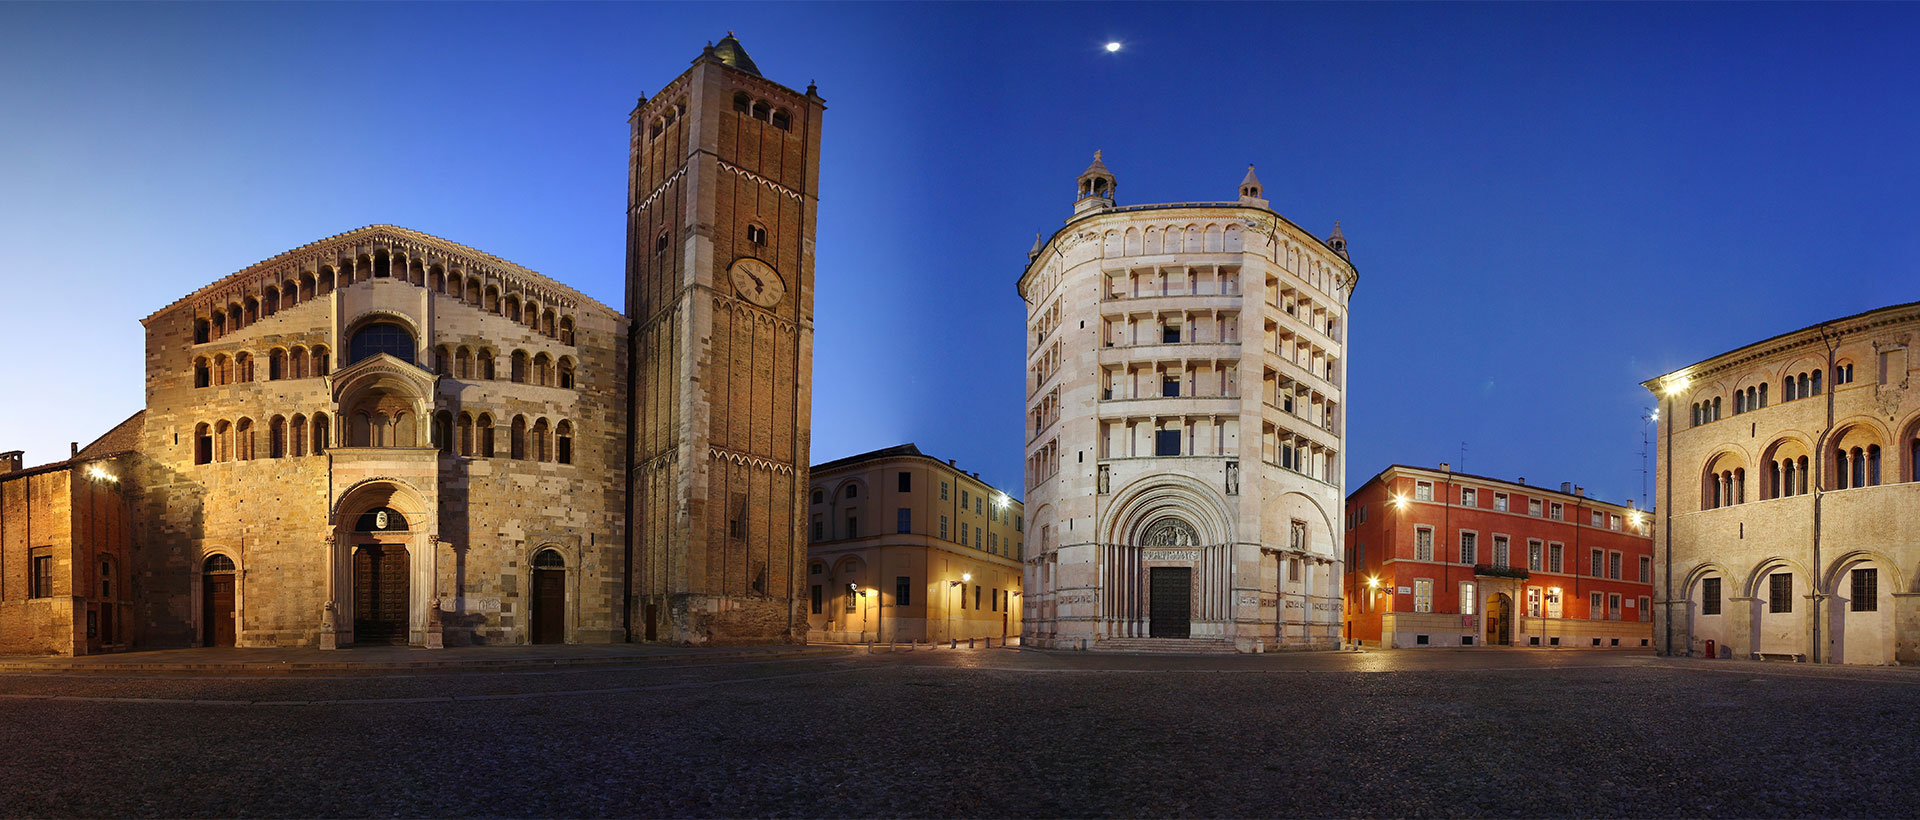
(757,282)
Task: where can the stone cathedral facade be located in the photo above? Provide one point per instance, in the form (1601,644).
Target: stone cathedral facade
(386,437)
(1186,402)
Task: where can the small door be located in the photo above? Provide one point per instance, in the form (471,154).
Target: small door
(1499,620)
(1170,602)
(380,594)
(549,606)
(106,624)
(217,621)
(653,619)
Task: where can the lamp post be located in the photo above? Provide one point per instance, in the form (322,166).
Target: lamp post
(960,585)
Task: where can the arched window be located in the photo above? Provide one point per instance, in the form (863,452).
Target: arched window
(1763,394)
(243,440)
(219,325)
(234,316)
(1739,402)
(519,373)
(473,291)
(485,370)
(513,309)
(533,315)
(202,331)
(382,265)
(297,436)
(271,304)
(1872,477)
(243,366)
(485,436)
(323,285)
(223,440)
(538,440)
(549,559)
(277,437)
(322,362)
(290,294)
(276,364)
(762,111)
(547,324)
(437,280)
(517,438)
(1816,383)
(742,104)
(217,563)
(443,432)
(781,120)
(442,361)
(493,300)
(563,442)
(466,434)
(322,434)
(380,337)
(566,372)
(1716,408)
(202,374)
(202,444)
(566,330)
(1786,389)
(543,370)
(463,363)
(222,370)
(251,313)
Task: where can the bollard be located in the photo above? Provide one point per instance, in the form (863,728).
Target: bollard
(953,643)
(969,643)
(1259,646)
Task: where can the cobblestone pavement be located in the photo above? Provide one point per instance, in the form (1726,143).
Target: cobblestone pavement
(977,733)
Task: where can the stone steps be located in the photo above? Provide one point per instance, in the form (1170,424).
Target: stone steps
(1166,646)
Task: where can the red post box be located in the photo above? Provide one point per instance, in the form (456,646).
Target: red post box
(1710,649)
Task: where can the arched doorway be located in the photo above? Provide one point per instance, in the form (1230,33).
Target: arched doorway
(216,594)
(1170,589)
(1499,619)
(380,577)
(549,606)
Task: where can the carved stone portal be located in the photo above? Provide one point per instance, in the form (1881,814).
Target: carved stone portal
(1170,532)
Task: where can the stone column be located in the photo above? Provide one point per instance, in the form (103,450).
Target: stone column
(329,612)
(434,626)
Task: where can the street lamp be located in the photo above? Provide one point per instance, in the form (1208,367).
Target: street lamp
(965,577)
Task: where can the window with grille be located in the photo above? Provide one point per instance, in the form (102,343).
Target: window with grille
(1613,566)
(903,591)
(1469,548)
(1423,595)
(1646,569)
(1780,592)
(1500,551)
(1710,596)
(1423,544)
(42,575)
(1866,590)
(1423,491)
(1533,556)
(1554,560)
(1596,607)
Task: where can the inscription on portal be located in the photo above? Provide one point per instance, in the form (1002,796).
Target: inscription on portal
(1170,555)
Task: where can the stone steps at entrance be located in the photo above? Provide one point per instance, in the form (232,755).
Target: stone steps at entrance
(1176,646)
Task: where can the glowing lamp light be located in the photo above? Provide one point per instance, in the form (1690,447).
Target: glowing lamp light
(1113,46)
(1676,386)
(96,473)
(1373,581)
(1399,501)
(1001,501)
(966,576)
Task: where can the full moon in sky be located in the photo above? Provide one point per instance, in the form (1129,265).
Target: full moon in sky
(1113,46)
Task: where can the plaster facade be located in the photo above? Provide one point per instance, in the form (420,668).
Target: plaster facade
(1186,377)
(1439,558)
(904,547)
(1790,514)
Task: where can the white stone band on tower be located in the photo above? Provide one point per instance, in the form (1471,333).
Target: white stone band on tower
(1174,502)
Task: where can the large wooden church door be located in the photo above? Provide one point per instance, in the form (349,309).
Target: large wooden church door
(380,594)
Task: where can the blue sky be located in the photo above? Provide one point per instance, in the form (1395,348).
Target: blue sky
(1547,203)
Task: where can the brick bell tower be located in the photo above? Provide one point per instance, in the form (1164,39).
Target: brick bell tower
(723,187)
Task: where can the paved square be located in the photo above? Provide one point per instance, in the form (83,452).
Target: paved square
(978,733)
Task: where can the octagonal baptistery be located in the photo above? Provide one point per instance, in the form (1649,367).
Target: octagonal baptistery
(1185,407)
(382,437)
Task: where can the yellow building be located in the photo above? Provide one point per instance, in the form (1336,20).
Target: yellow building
(1787,525)
(906,547)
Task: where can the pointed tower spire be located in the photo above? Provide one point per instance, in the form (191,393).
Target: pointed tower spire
(1037,245)
(1338,241)
(1250,189)
(1096,187)
(730,53)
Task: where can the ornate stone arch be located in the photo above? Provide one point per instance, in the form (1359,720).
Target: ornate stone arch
(413,502)
(1143,503)
(1836,569)
(1750,585)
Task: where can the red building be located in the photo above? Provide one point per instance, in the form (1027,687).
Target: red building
(1438,558)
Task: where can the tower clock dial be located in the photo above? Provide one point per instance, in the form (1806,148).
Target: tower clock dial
(758,282)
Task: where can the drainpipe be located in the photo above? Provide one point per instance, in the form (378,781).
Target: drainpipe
(1666,531)
(1832,340)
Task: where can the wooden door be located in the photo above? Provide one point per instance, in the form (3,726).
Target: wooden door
(106,624)
(1170,602)
(549,606)
(380,594)
(217,619)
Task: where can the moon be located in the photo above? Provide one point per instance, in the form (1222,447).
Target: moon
(1113,46)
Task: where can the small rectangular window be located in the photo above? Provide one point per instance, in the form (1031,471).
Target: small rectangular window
(1500,501)
(42,581)
(1166,443)
(943,491)
(943,528)
(1559,511)
(1646,569)
(903,522)
(1596,607)
(1613,606)
(1423,491)
(1554,560)
(1501,551)
(1170,387)
(903,591)
(853,527)
(1423,595)
(1613,565)
(1423,544)
(906,482)
(963,500)
(815,609)
(1866,590)
(1469,548)
(1593,563)
(1533,556)
(1466,598)
(1533,507)
(1710,596)
(1469,497)
(964,532)
(1780,592)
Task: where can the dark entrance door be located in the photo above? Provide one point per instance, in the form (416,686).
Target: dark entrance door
(549,606)
(1169,602)
(216,622)
(380,594)
(1500,620)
